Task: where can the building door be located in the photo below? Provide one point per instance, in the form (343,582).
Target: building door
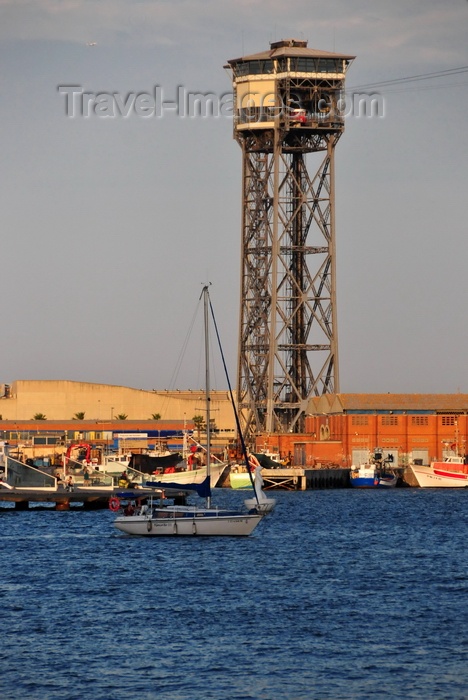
(420,456)
(360,457)
(299,454)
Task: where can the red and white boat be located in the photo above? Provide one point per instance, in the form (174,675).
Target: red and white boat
(451,473)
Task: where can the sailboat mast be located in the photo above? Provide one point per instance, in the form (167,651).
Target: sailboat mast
(207,388)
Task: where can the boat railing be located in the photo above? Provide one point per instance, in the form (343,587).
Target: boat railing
(97,479)
(76,470)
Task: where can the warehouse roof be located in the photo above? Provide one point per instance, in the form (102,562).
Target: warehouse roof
(351,403)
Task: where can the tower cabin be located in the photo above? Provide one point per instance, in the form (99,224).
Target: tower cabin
(290,87)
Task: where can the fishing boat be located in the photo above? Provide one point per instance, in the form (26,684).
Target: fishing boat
(387,476)
(271,460)
(376,473)
(115,462)
(186,520)
(366,476)
(450,473)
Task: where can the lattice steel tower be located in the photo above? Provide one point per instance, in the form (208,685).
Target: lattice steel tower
(287,104)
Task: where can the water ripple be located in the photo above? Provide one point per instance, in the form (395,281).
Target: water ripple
(339,594)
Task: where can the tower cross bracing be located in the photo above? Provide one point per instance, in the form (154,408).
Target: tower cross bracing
(286,116)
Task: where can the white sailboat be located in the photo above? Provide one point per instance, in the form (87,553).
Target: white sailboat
(177,520)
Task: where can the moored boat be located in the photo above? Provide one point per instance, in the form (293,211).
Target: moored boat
(387,479)
(177,471)
(376,473)
(450,473)
(365,476)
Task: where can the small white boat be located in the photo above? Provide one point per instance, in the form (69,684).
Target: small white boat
(387,479)
(115,463)
(261,502)
(187,520)
(451,473)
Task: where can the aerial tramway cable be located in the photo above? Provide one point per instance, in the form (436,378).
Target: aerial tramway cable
(396,82)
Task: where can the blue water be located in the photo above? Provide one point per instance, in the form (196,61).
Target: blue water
(337,594)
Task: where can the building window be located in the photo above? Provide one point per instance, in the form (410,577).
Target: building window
(254,68)
(420,420)
(449,420)
(315,65)
(45,440)
(389,420)
(360,420)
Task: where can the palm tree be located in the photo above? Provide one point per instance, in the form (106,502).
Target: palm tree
(156,416)
(121,416)
(39,416)
(79,416)
(199,424)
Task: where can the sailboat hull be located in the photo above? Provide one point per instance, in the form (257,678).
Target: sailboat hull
(189,522)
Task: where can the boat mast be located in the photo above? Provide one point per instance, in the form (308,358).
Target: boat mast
(207,387)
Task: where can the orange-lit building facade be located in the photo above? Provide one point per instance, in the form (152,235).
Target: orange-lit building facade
(341,429)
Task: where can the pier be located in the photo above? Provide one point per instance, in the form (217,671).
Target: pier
(301,478)
(305,478)
(84,499)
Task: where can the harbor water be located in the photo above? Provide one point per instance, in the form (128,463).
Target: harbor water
(337,594)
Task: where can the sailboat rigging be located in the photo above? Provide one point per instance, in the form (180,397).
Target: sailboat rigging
(162,519)
(260,501)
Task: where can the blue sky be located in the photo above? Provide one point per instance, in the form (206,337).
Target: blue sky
(110,226)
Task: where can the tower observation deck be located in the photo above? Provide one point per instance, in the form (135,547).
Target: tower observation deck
(287,106)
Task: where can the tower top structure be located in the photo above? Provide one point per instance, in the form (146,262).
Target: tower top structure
(289,48)
(288,86)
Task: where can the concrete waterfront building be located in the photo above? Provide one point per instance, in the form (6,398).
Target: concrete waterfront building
(101,408)
(62,399)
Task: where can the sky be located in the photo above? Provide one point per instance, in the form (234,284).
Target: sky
(110,225)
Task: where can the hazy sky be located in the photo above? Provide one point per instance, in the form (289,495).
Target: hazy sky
(109,226)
